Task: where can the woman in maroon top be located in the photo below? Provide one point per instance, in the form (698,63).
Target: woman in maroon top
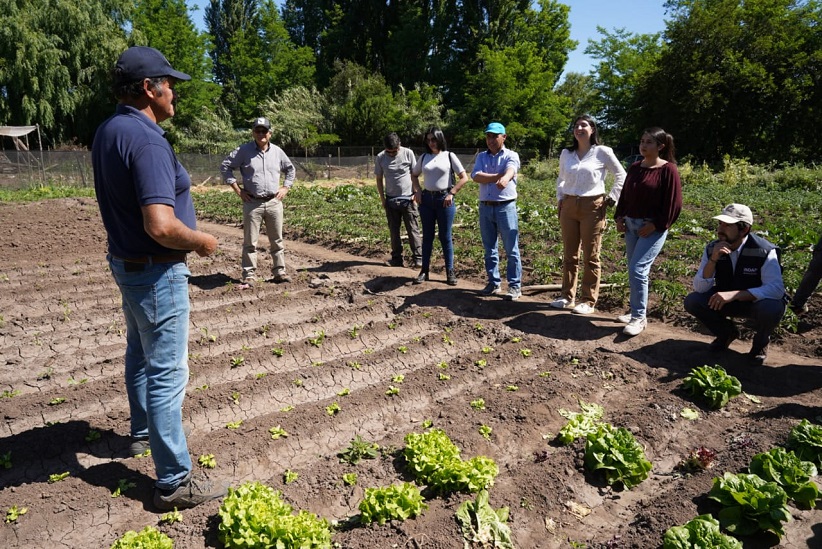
(650,202)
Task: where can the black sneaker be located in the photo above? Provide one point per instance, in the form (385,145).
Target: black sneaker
(395,263)
(757,357)
(191,492)
(420,278)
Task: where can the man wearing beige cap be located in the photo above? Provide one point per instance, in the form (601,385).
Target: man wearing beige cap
(740,276)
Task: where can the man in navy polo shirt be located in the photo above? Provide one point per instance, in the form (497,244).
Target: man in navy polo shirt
(739,276)
(143,194)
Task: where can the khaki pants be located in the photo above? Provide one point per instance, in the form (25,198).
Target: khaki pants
(255,213)
(582,220)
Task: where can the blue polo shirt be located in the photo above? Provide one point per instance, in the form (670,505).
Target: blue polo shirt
(134,166)
(498,164)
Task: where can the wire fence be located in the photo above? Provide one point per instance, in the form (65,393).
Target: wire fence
(21,169)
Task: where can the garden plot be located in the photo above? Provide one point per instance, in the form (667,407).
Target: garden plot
(351,348)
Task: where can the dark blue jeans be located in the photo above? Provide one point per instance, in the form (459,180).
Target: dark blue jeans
(766,314)
(434,214)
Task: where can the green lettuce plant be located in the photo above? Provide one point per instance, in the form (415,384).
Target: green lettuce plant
(395,502)
(147,537)
(254,515)
(482,525)
(791,473)
(580,423)
(616,452)
(712,384)
(700,532)
(435,460)
(750,504)
(806,441)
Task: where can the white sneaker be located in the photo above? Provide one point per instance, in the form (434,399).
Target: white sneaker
(583,309)
(635,326)
(624,319)
(562,303)
(513,294)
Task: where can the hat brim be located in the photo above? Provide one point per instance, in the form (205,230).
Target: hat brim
(728,219)
(178,75)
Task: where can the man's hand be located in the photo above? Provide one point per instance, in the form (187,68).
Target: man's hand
(208,245)
(721,248)
(503,181)
(620,225)
(281,192)
(243,194)
(719,299)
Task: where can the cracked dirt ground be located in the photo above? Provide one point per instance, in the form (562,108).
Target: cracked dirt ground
(62,338)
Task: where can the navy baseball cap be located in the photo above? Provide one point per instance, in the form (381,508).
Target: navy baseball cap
(495,127)
(261,122)
(140,62)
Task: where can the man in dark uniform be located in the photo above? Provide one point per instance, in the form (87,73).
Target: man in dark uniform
(143,194)
(739,276)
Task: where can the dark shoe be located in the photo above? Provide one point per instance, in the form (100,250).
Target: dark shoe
(451,278)
(190,493)
(491,289)
(396,263)
(280,278)
(722,343)
(139,446)
(757,357)
(418,263)
(422,277)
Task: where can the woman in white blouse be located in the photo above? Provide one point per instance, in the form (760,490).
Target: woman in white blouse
(582,201)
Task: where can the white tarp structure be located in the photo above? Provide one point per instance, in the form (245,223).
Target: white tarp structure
(15,133)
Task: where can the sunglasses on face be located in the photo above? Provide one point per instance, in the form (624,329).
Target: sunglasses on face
(262,131)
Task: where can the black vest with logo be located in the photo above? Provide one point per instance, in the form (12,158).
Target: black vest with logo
(748,273)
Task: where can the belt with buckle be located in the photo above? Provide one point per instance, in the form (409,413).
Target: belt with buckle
(265,198)
(133,264)
(495,202)
(444,191)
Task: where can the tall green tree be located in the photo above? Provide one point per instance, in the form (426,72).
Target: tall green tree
(514,71)
(301,117)
(55,58)
(364,106)
(741,78)
(625,61)
(167,26)
(254,57)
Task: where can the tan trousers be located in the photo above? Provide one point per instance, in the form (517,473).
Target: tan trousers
(582,221)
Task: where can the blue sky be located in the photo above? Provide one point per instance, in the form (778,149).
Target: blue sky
(636,16)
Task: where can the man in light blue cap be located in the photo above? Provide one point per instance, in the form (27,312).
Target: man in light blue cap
(496,172)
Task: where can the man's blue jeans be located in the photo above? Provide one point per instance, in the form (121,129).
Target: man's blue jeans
(156,307)
(501,221)
(641,253)
(434,214)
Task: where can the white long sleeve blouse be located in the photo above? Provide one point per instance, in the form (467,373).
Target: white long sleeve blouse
(586,176)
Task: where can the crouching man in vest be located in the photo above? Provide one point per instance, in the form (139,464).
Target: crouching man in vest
(740,276)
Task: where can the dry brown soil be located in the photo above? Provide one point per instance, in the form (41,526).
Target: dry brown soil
(62,337)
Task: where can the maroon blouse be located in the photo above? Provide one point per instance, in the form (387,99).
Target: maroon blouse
(651,193)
